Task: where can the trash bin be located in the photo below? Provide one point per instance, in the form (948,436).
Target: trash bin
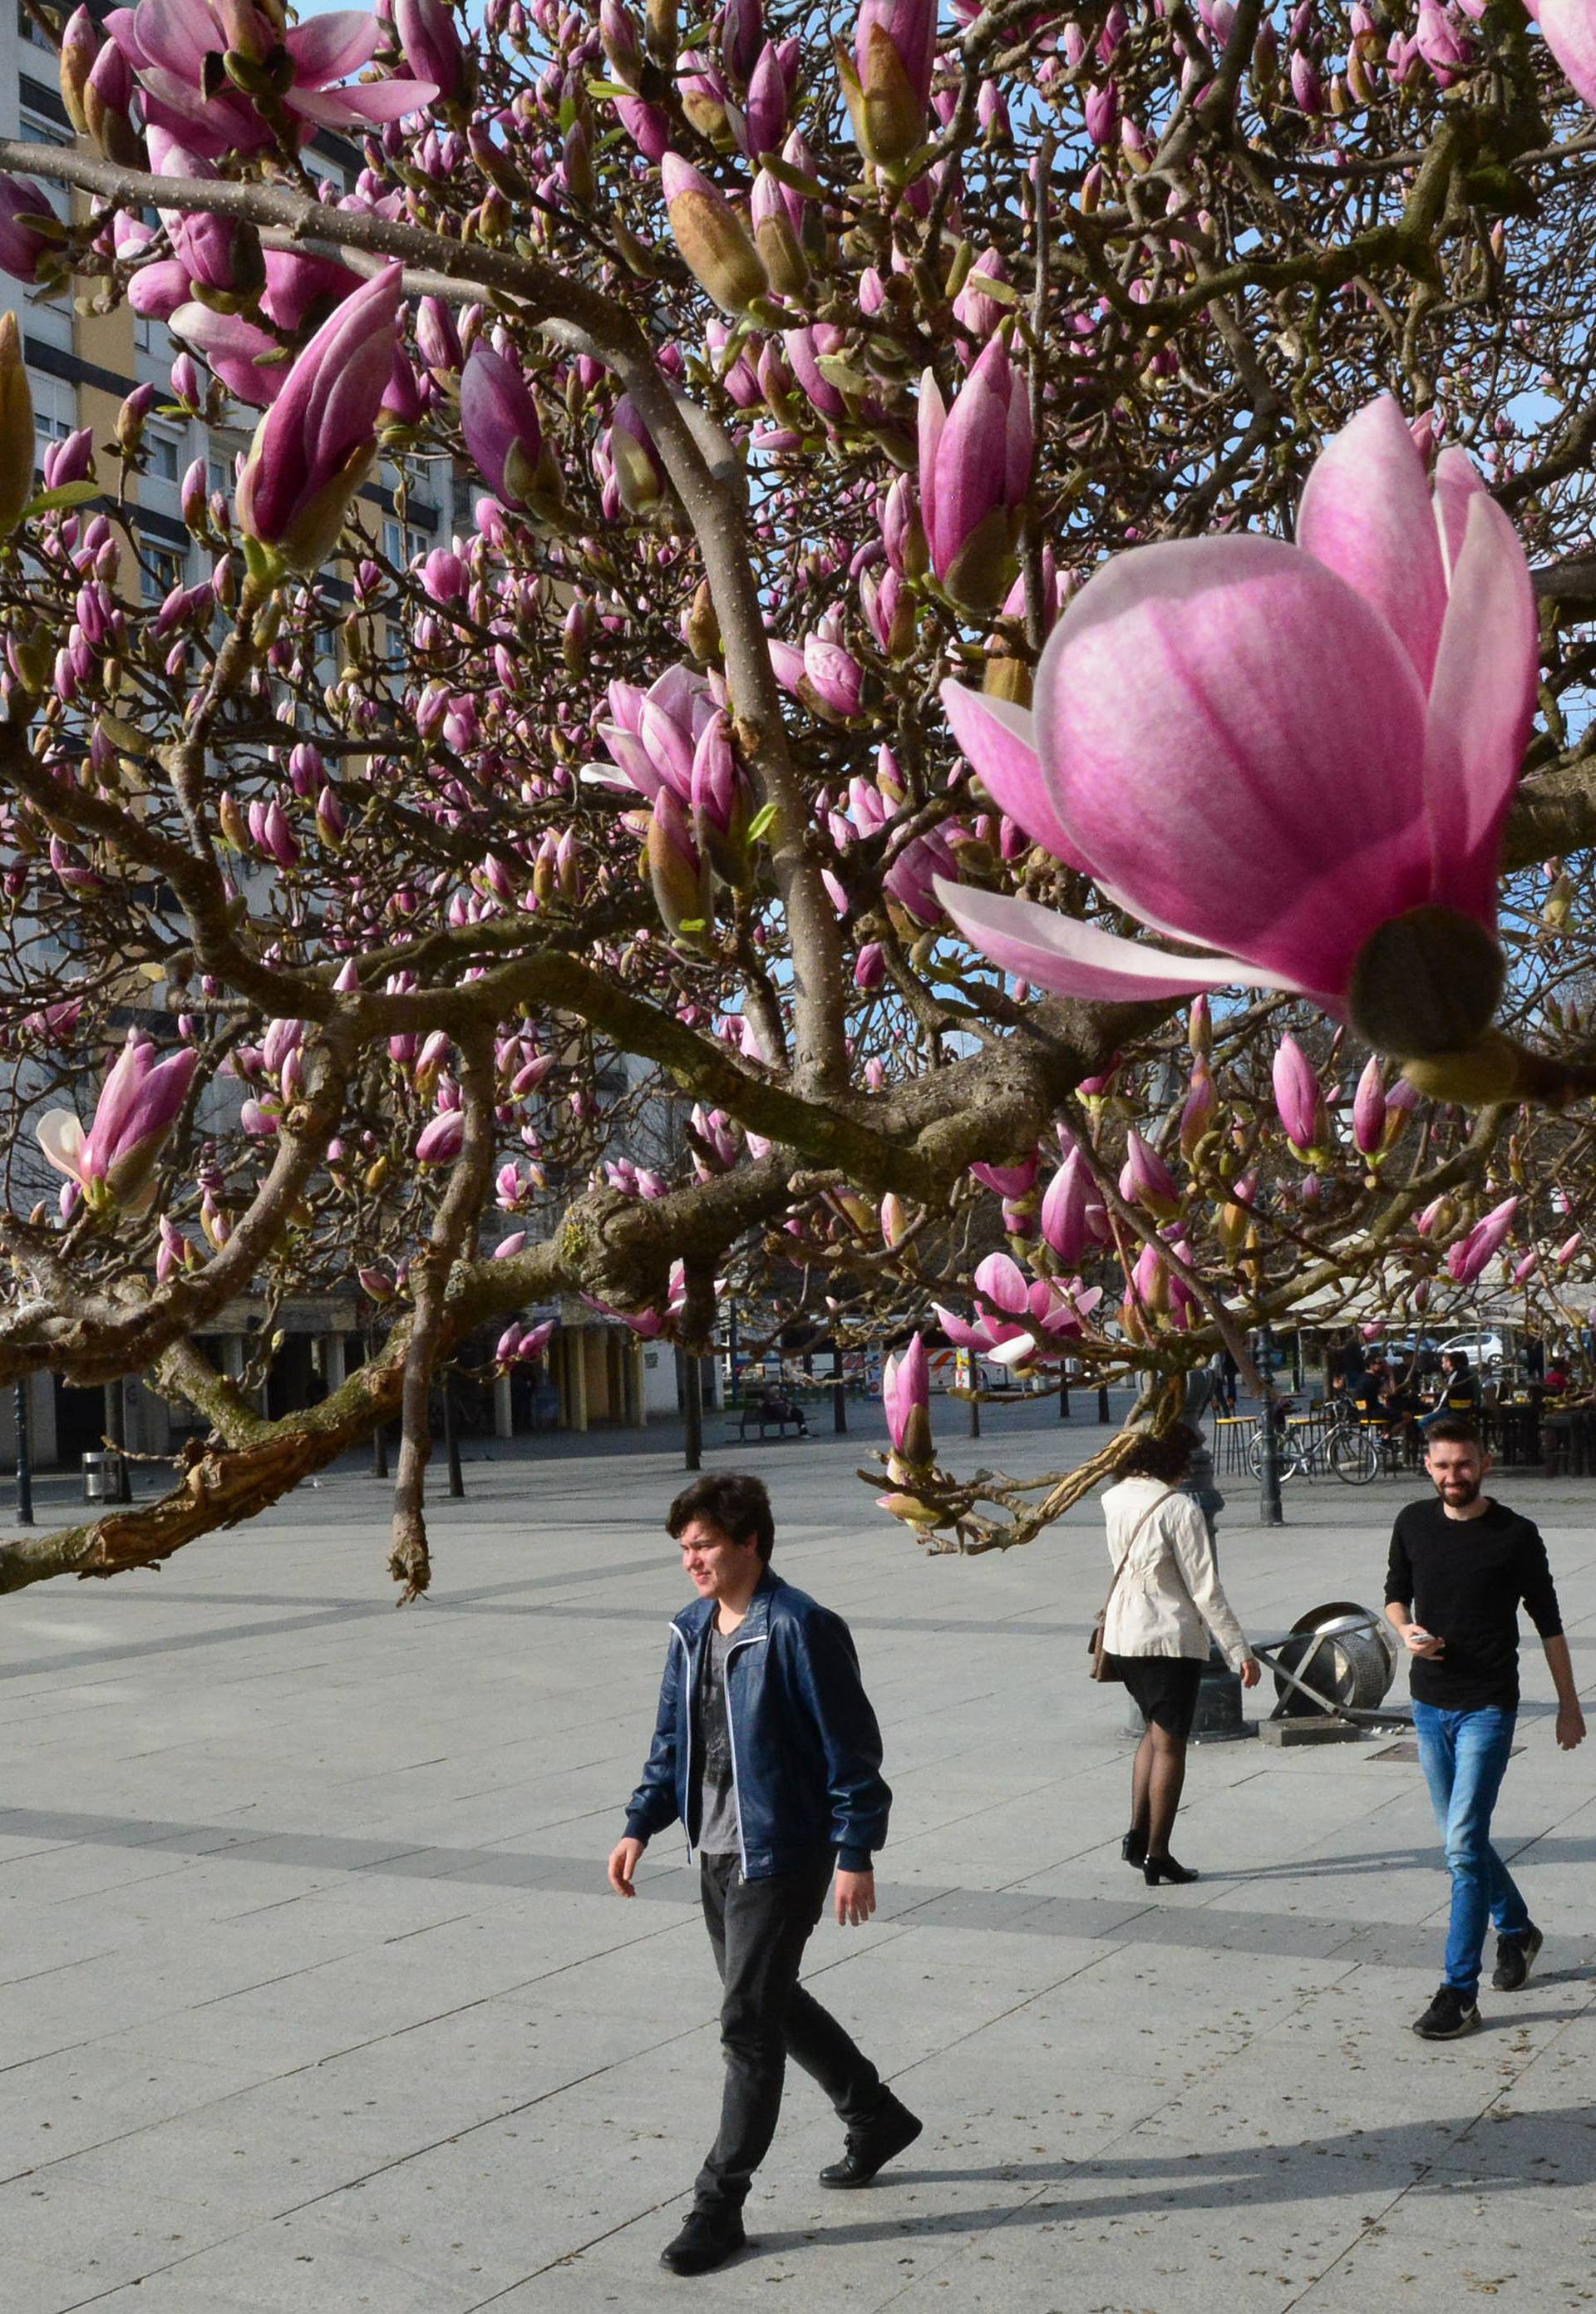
(96,1484)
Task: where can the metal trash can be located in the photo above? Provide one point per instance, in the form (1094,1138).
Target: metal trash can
(96,1478)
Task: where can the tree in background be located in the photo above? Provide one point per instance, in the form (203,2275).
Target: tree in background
(991,526)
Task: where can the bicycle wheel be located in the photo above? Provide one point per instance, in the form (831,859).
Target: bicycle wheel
(1286,1461)
(1354,1458)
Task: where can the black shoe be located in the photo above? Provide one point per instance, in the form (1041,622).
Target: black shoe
(707,2241)
(1515,1957)
(1134,1849)
(871,2148)
(1165,1867)
(1448,2018)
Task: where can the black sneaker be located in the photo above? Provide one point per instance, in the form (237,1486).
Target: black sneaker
(870,2149)
(1448,2018)
(1515,1957)
(707,2241)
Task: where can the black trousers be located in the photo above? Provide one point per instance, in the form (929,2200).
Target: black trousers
(758,1930)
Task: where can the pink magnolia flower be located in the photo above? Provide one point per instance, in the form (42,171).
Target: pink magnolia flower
(313,446)
(178,48)
(138,1105)
(498,418)
(905,1393)
(1156,1291)
(1074,1219)
(1352,710)
(1569,31)
(518,1348)
(975,463)
(1369,1109)
(1470,1256)
(1296,1096)
(886,82)
(431,45)
(440,1138)
(1008,1180)
(647,1325)
(24,249)
(1146,1180)
(1022,1323)
(1197,1109)
(654,734)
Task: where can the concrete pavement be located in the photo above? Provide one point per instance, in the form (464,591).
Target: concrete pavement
(317,1999)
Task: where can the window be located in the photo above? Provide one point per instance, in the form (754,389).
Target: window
(54,410)
(28,30)
(37,128)
(162,570)
(400,543)
(165,453)
(47,320)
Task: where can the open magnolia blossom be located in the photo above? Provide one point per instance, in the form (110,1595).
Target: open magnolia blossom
(1298,758)
(1022,1323)
(138,1105)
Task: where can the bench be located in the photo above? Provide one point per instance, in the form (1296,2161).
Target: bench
(758,1412)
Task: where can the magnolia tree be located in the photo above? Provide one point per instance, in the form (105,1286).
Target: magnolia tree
(992,527)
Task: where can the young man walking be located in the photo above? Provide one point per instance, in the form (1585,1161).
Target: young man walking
(1459,1568)
(768,1751)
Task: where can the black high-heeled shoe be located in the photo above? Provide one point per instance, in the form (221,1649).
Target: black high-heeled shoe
(1134,1849)
(1165,1867)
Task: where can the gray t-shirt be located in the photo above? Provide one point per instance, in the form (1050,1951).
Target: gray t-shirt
(719,1830)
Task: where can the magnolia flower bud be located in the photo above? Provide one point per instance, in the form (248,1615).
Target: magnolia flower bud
(711,237)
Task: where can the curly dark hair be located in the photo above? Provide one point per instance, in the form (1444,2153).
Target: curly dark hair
(731,1500)
(1165,1455)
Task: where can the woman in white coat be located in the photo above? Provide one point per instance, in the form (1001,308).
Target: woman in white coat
(1165,1601)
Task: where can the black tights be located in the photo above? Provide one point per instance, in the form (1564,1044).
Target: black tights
(1157,1774)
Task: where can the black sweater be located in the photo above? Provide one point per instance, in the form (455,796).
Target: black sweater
(1463,1579)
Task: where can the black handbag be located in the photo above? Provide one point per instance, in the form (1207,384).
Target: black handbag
(1102,1665)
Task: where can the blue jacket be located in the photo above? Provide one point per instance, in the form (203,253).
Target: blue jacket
(805,1746)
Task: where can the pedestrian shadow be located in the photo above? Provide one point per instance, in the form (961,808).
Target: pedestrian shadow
(1535,1848)
(1433,2159)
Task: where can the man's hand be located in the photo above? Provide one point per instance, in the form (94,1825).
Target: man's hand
(856,1898)
(1420,1642)
(1251,1672)
(1571,1725)
(623,1863)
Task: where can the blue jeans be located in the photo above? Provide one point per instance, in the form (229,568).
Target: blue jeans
(1464,1755)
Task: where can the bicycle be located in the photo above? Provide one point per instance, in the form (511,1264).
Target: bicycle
(1342,1447)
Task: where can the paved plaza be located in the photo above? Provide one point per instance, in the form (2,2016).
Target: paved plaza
(317,1999)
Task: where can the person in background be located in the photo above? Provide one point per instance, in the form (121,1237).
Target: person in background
(1166,1600)
(1458,1395)
(1461,1566)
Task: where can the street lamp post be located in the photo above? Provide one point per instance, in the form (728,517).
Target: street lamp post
(692,1409)
(1269,1504)
(24,1460)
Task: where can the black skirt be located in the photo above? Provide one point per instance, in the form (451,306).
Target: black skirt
(1164,1690)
